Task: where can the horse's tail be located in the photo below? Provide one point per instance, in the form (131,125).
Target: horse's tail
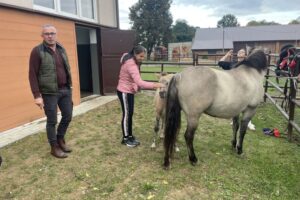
(172,118)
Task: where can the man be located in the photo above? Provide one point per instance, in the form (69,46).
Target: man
(51,83)
(226,63)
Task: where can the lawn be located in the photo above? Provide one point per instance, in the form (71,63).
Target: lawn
(101,168)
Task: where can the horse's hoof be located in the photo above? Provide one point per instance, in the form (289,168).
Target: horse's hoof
(239,150)
(166,166)
(193,161)
(153,146)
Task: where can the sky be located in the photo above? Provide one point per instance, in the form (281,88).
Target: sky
(207,13)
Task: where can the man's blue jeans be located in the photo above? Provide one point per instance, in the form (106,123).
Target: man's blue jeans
(64,102)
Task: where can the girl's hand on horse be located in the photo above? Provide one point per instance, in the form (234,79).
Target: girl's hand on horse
(158,85)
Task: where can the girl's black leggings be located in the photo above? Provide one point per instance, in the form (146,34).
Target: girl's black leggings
(127,104)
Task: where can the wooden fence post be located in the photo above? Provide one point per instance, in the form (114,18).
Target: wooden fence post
(267,77)
(162,67)
(292,96)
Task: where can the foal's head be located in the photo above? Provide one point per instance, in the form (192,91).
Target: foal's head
(164,78)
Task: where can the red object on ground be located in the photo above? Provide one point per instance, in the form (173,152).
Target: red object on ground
(276,132)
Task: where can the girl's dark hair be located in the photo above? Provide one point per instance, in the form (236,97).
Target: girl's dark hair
(136,50)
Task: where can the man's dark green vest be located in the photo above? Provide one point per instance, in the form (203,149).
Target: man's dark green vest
(47,72)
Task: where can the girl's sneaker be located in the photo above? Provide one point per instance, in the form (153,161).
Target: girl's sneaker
(129,142)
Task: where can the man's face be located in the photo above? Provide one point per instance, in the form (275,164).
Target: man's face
(49,35)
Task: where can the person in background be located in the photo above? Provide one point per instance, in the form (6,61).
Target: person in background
(51,83)
(129,83)
(227,63)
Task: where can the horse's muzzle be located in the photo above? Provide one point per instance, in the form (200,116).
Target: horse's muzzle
(162,94)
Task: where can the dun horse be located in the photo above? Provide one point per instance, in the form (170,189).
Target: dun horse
(218,93)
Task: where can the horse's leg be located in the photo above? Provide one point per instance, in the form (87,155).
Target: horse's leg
(243,129)
(156,129)
(247,115)
(156,126)
(189,138)
(235,128)
(161,135)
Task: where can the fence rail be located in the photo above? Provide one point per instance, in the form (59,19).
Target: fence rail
(290,95)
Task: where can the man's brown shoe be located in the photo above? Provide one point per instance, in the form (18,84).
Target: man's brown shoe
(62,144)
(57,152)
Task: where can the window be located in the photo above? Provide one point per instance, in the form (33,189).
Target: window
(87,9)
(44,3)
(211,51)
(80,9)
(68,6)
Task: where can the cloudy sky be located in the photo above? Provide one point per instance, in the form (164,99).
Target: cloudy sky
(206,13)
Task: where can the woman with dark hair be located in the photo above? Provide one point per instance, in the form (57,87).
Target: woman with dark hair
(129,83)
(226,61)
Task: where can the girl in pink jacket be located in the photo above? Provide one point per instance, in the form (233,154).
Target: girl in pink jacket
(129,83)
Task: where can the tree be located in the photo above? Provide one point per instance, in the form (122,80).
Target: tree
(182,32)
(151,19)
(261,23)
(295,21)
(228,20)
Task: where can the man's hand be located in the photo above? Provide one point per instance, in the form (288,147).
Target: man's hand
(39,102)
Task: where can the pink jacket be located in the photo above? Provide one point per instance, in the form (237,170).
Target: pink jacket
(130,79)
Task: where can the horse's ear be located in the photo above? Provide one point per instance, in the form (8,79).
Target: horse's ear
(158,75)
(163,73)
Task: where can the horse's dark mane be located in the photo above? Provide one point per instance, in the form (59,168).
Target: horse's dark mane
(257,60)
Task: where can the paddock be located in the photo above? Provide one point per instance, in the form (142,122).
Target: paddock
(101,168)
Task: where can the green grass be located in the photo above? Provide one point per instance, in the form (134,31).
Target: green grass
(101,168)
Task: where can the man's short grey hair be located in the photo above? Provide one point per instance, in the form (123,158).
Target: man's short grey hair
(47,26)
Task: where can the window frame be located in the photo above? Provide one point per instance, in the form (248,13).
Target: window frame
(46,9)
(94,4)
(67,13)
(57,10)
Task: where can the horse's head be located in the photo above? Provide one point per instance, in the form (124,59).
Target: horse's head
(164,78)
